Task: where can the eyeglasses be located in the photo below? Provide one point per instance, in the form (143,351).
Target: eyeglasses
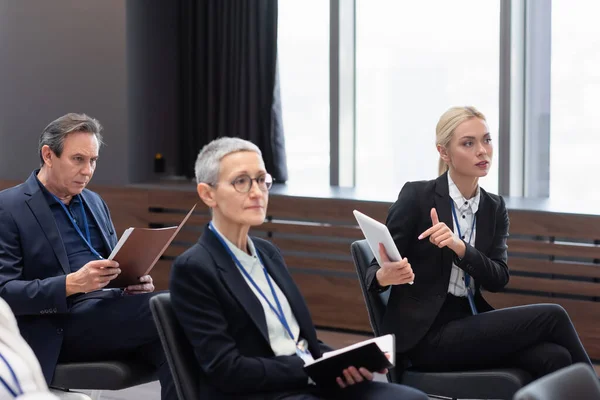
(243,183)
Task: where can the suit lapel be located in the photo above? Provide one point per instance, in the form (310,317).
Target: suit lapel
(39,207)
(235,282)
(101,222)
(291,293)
(442,206)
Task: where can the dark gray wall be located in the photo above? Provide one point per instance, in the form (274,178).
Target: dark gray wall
(153,74)
(56,57)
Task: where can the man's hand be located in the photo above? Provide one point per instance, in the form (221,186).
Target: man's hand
(393,272)
(352,376)
(92,276)
(146,286)
(442,236)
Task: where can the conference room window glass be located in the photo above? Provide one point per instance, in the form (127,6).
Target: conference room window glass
(575,100)
(303,53)
(414,60)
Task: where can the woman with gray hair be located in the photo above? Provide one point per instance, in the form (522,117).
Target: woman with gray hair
(242,312)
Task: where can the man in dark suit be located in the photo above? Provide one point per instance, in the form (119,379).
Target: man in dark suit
(237,303)
(54,241)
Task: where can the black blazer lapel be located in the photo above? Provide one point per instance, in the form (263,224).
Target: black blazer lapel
(39,207)
(293,296)
(235,282)
(486,221)
(442,206)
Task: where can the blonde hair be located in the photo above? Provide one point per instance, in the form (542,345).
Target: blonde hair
(448,123)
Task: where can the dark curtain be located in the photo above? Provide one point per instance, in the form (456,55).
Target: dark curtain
(229,84)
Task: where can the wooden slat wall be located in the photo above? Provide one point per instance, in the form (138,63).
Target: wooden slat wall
(553,257)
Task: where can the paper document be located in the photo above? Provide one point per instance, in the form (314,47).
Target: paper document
(385,343)
(139,249)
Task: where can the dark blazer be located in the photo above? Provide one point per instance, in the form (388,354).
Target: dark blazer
(34,265)
(412,309)
(225,322)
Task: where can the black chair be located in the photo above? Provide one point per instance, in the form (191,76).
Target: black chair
(479,384)
(576,381)
(179,352)
(102,375)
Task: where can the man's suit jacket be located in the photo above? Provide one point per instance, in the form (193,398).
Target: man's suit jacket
(225,322)
(34,265)
(412,309)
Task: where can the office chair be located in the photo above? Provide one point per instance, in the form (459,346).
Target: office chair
(577,381)
(477,384)
(101,375)
(178,349)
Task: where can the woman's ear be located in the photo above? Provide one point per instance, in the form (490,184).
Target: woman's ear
(206,194)
(443,153)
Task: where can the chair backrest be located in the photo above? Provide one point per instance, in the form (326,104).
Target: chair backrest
(577,381)
(376,302)
(178,350)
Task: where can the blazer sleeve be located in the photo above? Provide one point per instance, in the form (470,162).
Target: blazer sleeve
(401,221)
(26,297)
(201,315)
(491,271)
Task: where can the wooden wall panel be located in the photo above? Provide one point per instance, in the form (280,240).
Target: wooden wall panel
(553,224)
(334,301)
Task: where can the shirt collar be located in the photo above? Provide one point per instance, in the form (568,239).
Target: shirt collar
(460,201)
(247,260)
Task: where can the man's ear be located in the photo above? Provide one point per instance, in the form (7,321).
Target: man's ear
(47,155)
(206,194)
(443,153)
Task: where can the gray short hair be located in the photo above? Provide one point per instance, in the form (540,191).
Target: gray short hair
(55,133)
(208,163)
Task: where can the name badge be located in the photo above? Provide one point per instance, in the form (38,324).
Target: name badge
(303,353)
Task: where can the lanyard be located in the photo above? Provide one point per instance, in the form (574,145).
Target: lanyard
(87,238)
(279,311)
(467,276)
(13,392)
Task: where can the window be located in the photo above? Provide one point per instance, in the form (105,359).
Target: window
(575,100)
(414,60)
(303,53)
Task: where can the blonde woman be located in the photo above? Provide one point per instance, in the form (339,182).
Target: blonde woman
(453,234)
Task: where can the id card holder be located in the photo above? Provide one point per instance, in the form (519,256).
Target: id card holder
(303,353)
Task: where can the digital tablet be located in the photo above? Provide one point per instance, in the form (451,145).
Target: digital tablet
(375,232)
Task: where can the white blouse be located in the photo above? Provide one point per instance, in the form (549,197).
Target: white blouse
(21,359)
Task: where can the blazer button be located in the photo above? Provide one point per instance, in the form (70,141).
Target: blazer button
(59,331)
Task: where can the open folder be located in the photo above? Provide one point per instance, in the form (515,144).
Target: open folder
(139,249)
(373,354)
